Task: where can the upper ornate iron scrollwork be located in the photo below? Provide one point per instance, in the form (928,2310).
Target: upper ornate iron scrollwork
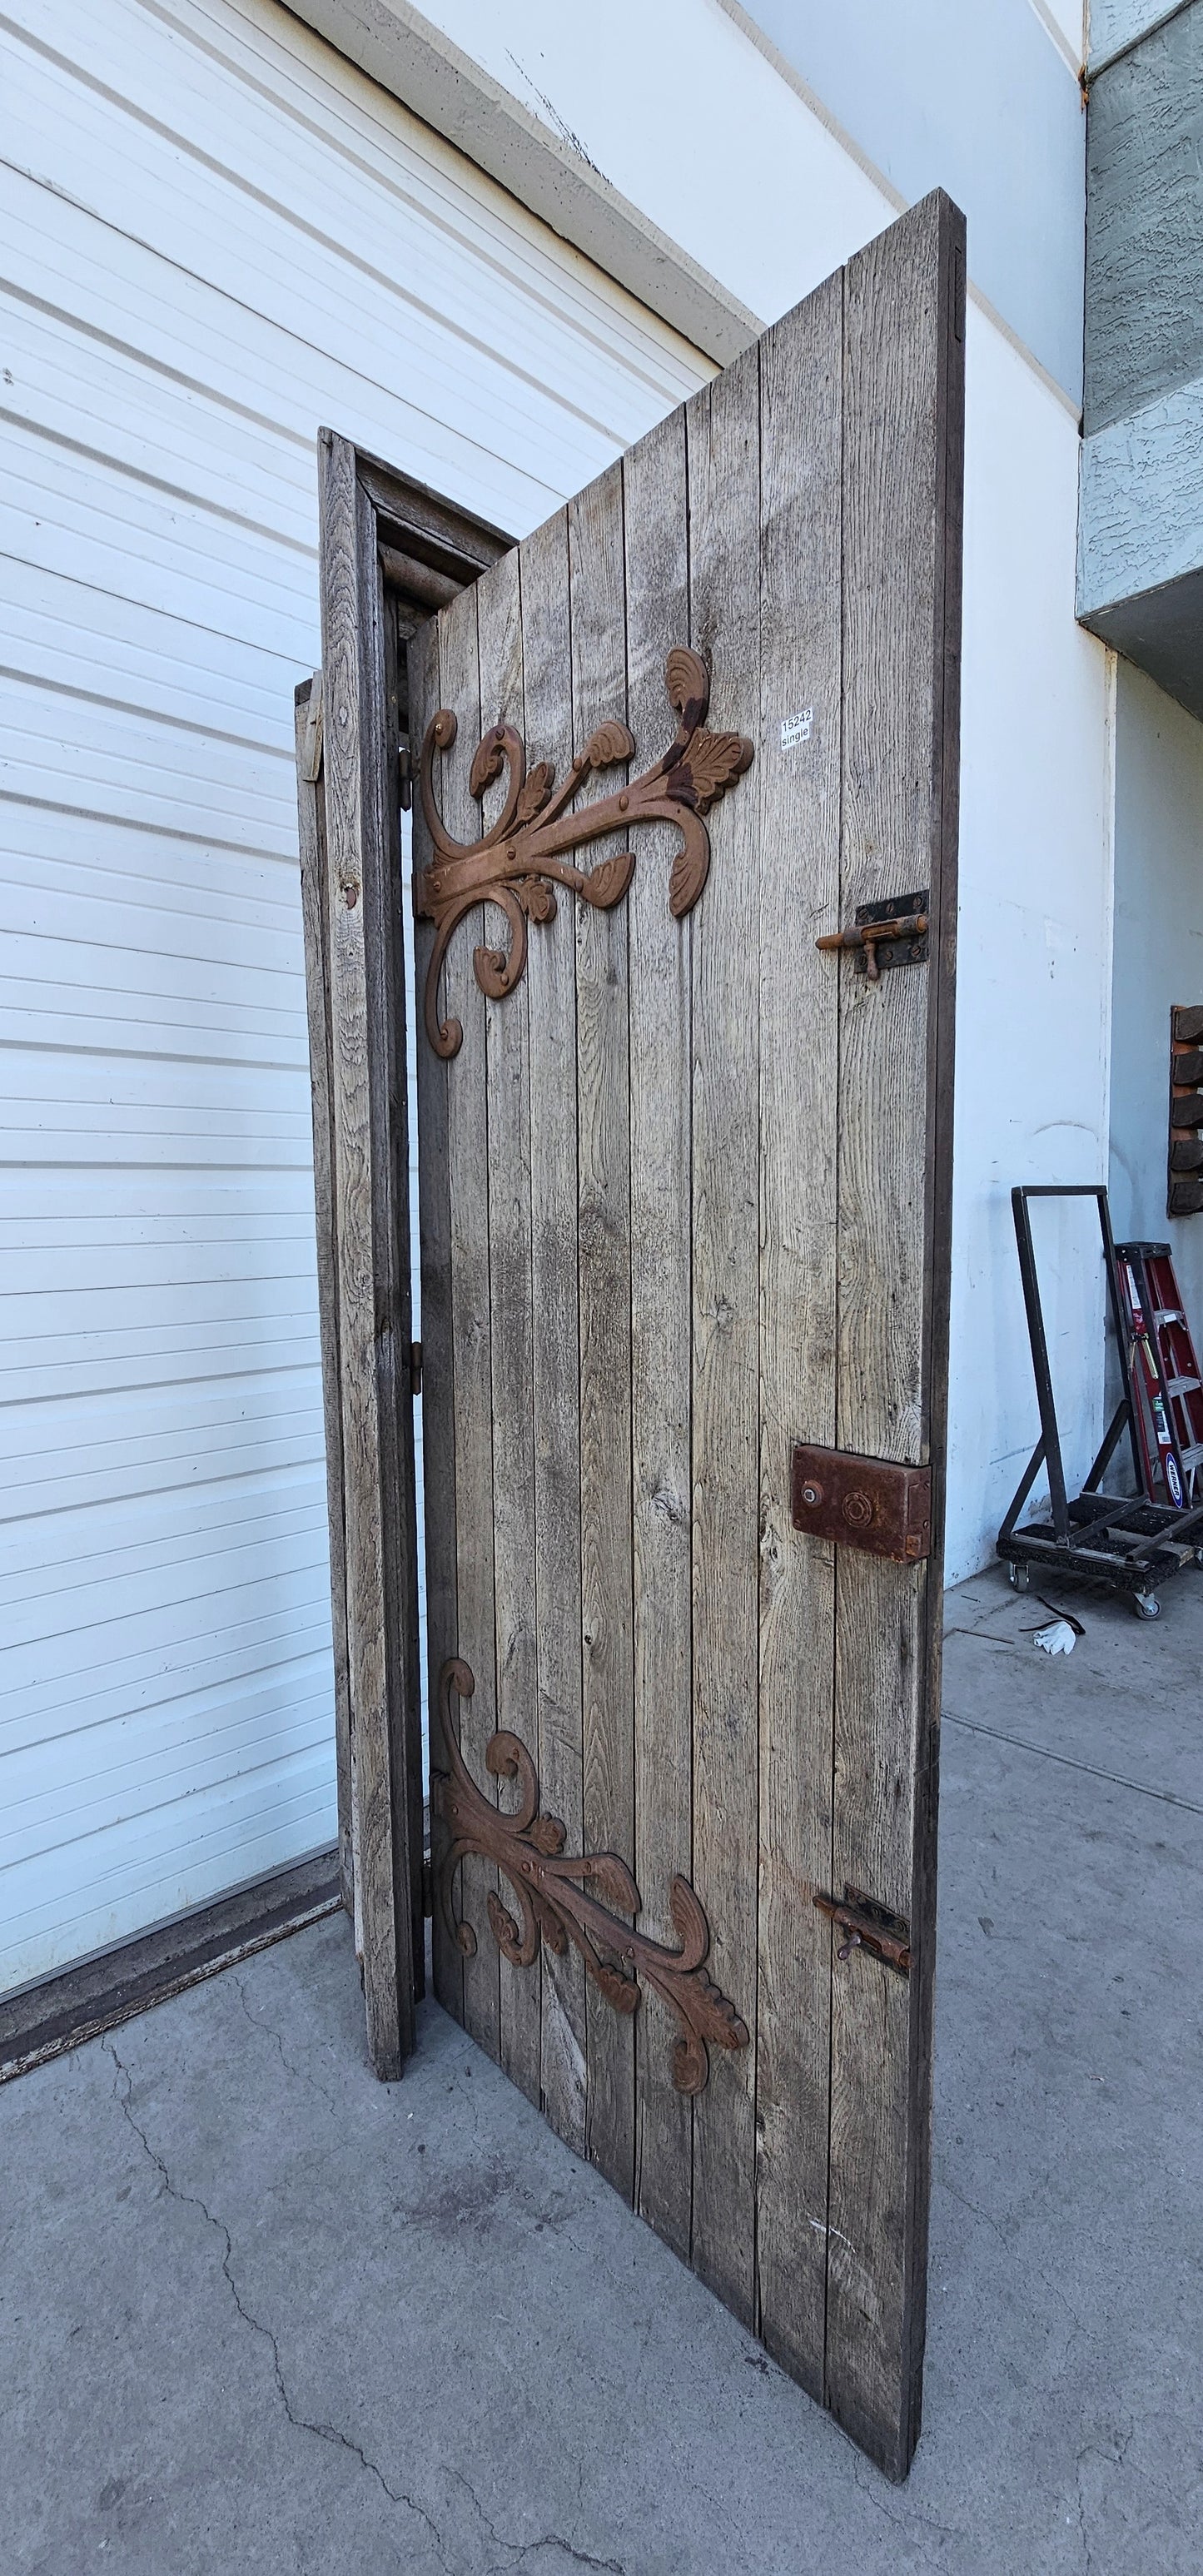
(518,862)
(558,1898)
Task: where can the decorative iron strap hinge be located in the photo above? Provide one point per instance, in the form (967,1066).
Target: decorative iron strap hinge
(893,933)
(588,1898)
(519,862)
(866,1925)
(870,1503)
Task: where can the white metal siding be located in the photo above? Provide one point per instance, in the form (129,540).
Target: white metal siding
(215,236)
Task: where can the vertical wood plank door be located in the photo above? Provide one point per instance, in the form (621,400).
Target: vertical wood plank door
(684,1200)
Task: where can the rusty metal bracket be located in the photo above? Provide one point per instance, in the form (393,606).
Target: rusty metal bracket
(518,863)
(555,1900)
(866,1925)
(870,1503)
(886,934)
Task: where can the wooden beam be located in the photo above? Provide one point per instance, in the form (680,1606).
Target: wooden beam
(371,1225)
(597,640)
(797,783)
(903,371)
(555,1356)
(723,443)
(311,826)
(656,531)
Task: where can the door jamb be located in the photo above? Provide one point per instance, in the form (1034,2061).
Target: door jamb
(392,551)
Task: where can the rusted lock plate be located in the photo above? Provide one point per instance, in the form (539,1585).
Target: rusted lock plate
(870,1503)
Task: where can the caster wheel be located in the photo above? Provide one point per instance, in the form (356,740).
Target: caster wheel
(1018,1576)
(1146,1605)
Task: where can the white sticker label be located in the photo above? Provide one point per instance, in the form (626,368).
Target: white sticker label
(796,729)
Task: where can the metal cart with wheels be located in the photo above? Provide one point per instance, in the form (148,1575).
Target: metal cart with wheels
(1123,1542)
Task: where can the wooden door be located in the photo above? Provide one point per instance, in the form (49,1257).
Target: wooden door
(684,1214)
(684,1200)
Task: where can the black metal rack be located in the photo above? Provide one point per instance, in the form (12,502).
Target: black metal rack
(1120,1541)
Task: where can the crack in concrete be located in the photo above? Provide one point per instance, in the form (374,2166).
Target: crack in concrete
(579,2557)
(912,2524)
(518,2550)
(302,2423)
(987,1637)
(1112,2460)
(268,2033)
(1049,2281)
(554,117)
(975,2212)
(300,2074)
(1087,2552)
(1072,1762)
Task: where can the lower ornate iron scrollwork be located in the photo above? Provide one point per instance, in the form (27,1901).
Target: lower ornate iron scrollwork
(555,1903)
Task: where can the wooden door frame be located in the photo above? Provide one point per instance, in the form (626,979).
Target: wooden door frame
(391,553)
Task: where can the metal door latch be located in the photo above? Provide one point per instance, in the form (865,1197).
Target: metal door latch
(886,934)
(866,1925)
(870,1503)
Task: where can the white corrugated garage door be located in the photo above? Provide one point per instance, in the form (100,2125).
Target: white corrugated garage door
(216,236)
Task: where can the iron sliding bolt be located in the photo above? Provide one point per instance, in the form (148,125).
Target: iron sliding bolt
(863,1924)
(885,934)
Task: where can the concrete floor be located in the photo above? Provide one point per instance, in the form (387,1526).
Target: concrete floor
(262,2313)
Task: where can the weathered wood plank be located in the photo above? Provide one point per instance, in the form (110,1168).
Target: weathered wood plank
(941,1062)
(901,454)
(598,623)
(499,629)
(311,826)
(471,1323)
(723,431)
(352,659)
(551,980)
(438,1348)
(797,787)
(657,579)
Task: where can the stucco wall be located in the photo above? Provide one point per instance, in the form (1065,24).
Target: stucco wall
(1140,561)
(1113,24)
(1144,316)
(1158,955)
(983,101)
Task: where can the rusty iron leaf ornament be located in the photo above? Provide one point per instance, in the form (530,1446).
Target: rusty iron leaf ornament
(559,1898)
(518,863)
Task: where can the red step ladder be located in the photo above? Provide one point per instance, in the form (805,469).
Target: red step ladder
(1167,1384)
